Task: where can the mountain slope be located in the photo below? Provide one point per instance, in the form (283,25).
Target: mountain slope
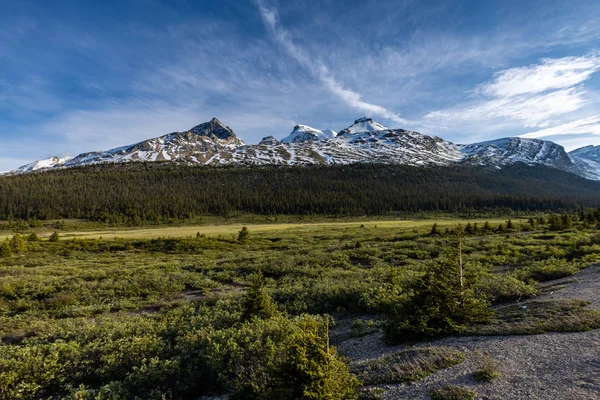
(303,133)
(365,141)
(511,150)
(42,164)
(198,144)
(587,161)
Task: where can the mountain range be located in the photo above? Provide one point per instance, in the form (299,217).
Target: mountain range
(365,141)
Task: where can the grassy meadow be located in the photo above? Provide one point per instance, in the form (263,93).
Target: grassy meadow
(162,312)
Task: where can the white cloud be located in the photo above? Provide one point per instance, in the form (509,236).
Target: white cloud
(589,126)
(531,111)
(533,97)
(318,70)
(550,74)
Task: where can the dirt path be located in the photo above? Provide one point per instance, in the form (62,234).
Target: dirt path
(556,366)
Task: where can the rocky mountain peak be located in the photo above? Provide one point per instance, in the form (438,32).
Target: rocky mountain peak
(364,124)
(213,127)
(269,141)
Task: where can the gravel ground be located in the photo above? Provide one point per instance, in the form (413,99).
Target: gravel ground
(557,366)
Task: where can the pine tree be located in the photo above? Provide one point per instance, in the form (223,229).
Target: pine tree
(257,303)
(313,370)
(442,301)
(434,230)
(5,250)
(243,235)
(18,244)
(54,237)
(33,237)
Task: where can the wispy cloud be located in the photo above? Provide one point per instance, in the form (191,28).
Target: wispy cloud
(530,111)
(549,74)
(583,126)
(317,69)
(532,96)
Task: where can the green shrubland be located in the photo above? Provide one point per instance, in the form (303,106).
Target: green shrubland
(192,316)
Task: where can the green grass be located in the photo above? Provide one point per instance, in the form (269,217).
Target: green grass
(452,392)
(408,365)
(536,317)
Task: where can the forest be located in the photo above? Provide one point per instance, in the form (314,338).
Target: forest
(142,193)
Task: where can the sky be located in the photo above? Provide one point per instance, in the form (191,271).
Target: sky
(86,75)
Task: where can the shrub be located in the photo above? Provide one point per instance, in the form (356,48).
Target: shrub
(54,237)
(33,237)
(279,358)
(442,301)
(488,369)
(408,365)
(18,244)
(5,250)
(452,392)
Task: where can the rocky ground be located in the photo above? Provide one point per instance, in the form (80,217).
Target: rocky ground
(557,366)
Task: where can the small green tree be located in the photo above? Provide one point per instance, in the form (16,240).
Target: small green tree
(434,230)
(5,250)
(313,370)
(33,237)
(442,301)
(469,228)
(18,244)
(257,303)
(243,235)
(54,237)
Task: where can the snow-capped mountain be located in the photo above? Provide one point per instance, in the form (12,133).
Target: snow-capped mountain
(365,141)
(363,125)
(512,150)
(587,161)
(587,152)
(198,144)
(42,164)
(303,133)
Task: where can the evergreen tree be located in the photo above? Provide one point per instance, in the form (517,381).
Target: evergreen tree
(5,250)
(243,235)
(33,237)
(434,230)
(54,237)
(442,301)
(257,303)
(469,228)
(313,370)
(18,244)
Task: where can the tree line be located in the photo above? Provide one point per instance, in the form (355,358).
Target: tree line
(142,192)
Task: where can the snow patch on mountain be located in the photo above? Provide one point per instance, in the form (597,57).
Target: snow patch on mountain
(363,125)
(511,150)
(588,152)
(303,133)
(42,164)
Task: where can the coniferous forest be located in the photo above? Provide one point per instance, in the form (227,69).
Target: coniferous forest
(134,193)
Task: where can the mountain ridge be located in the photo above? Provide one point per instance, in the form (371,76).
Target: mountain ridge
(365,141)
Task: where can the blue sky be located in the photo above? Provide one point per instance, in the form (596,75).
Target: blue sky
(90,75)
